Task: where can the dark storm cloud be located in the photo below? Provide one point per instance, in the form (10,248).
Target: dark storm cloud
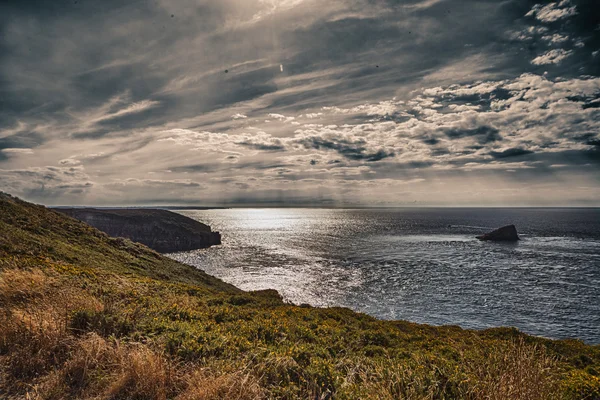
(509,153)
(589,102)
(262,146)
(353,150)
(483,134)
(36,31)
(21,140)
(314,46)
(258,165)
(72,57)
(576,160)
(484,100)
(380,47)
(193,168)
(430,140)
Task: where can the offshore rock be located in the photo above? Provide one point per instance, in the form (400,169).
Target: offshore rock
(161,230)
(507,233)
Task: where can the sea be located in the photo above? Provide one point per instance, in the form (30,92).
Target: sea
(421,265)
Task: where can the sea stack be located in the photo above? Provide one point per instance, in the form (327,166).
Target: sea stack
(507,233)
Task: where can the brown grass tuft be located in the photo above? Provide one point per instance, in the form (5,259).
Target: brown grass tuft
(93,358)
(143,374)
(33,343)
(202,385)
(516,371)
(19,285)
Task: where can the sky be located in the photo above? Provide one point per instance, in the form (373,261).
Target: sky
(338,103)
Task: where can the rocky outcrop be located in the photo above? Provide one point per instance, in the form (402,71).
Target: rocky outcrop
(161,230)
(507,233)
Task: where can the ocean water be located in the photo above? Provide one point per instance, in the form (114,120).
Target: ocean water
(421,265)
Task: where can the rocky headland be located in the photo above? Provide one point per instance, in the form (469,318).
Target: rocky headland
(161,230)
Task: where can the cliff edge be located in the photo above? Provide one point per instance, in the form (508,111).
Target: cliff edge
(161,230)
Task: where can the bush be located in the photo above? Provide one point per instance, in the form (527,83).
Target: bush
(102,322)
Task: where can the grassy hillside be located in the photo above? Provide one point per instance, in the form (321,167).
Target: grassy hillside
(86,316)
(28,230)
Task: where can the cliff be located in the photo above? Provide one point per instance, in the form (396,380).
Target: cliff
(161,230)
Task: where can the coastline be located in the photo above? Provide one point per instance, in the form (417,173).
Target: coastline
(148,327)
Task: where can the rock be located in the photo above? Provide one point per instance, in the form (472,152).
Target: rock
(161,230)
(507,233)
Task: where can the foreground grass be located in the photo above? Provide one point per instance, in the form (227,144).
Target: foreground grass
(86,316)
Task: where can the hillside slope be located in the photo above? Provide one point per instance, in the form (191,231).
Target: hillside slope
(36,231)
(161,230)
(86,316)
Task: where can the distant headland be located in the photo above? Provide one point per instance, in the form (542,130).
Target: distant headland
(161,230)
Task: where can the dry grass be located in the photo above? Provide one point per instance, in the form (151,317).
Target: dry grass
(93,367)
(202,385)
(99,368)
(44,358)
(22,285)
(511,371)
(32,344)
(143,374)
(416,379)
(90,366)
(517,371)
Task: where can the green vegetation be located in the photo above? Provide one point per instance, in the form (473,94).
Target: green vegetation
(87,316)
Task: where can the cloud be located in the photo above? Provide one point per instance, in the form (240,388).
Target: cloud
(385,95)
(163,184)
(556,38)
(272,145)
(133,108)
(530,33)
(484,134)
(311,115)
(553,12)
(17,151)
(353,150)
(69,161)
(508,153)
(21,140)
(281,118)
(446,134)
(552,57)
(49,183)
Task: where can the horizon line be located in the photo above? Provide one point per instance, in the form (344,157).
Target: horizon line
(349,206)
